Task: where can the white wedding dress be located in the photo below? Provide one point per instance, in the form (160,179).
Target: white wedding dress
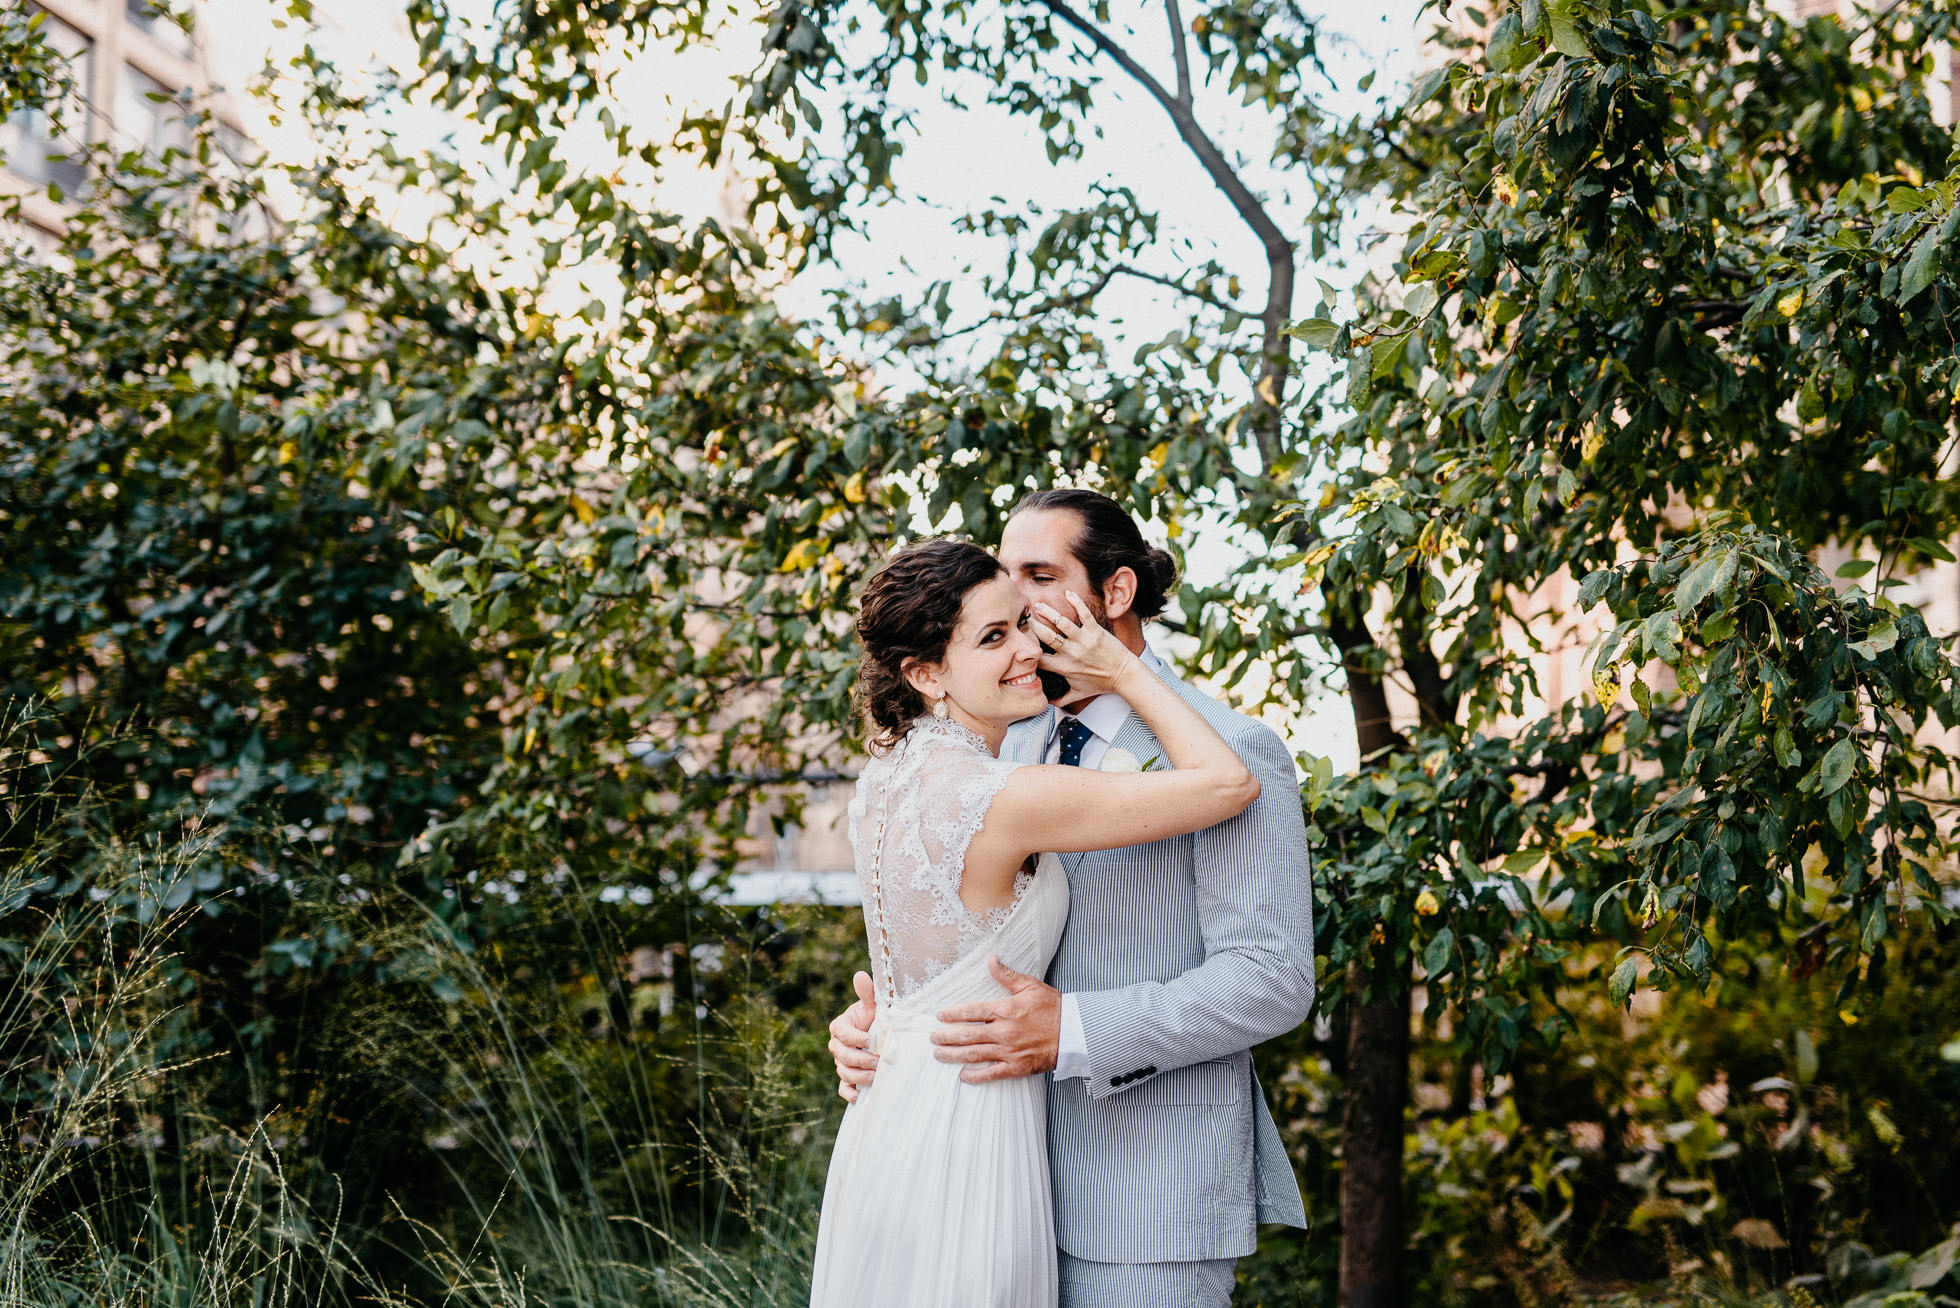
(938,1194)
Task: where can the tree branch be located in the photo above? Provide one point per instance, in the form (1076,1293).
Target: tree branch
(1717,313)
(1374,729)
(1396,147)
(1270,389)
(1179,52)
(1076,298)
(1426,679)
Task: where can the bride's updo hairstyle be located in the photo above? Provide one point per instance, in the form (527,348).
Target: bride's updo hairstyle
(908,611)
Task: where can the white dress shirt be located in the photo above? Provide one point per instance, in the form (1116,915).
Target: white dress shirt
(1104,716)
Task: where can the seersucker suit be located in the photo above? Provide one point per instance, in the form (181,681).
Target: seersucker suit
(1182,955)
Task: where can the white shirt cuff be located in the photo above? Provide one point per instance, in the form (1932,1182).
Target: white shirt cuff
(1072,1050)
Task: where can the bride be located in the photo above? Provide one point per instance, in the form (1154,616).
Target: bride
(938,1192)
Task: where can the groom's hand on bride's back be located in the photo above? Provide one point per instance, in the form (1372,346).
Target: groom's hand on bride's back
(1018,1034)
(850,1040)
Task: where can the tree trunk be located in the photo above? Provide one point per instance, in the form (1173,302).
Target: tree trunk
(1376,1078)
(1462,1085)
(1376,1091)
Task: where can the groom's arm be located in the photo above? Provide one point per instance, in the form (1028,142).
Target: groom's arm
(1255,909)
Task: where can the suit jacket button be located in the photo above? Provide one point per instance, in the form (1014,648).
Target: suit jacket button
(1148,1071)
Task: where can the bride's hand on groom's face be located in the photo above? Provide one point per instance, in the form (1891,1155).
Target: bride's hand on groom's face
(1079,648)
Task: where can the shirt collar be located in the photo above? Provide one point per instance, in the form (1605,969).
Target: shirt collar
(1105,714)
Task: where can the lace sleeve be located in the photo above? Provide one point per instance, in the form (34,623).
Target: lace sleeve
(933,793)
(956,790)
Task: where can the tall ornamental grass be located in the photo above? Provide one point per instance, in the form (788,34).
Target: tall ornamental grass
(571,1176)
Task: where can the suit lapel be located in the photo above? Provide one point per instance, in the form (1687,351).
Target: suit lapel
(1027,740)
(1142,744)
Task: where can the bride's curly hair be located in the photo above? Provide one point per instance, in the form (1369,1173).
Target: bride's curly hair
(907,612)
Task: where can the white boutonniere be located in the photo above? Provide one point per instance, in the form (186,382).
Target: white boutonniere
(1122,760)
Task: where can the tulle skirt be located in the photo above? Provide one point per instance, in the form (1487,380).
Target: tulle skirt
(938,1194)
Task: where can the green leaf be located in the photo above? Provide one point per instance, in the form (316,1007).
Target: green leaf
(1316,332)
(1905,199)
(1436,957)
(1506,48)
(1835,769)
(1663,632)
(1619,987)
(1855,568)
(1567,37)
(1427,86)
(1810,401)
(1921,267)
(1385,355)
(1932,549)
(1519,862)
(857,445)
(1700,580)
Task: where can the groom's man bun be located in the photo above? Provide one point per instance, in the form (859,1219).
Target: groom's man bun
(1109,540)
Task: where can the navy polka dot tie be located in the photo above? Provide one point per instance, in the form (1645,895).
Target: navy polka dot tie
(1074,737)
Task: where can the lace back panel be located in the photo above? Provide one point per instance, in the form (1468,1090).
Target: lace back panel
(915,812)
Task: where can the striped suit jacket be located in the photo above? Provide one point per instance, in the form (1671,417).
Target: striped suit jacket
(1182,955)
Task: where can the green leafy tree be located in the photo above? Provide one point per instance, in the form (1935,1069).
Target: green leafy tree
(1673,311)
(245,412)
(1615,344)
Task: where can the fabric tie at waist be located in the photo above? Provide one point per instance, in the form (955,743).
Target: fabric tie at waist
(888,1026)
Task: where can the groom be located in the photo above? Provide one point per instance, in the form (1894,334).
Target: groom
(1178,957)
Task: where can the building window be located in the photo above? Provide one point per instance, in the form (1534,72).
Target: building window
(156,22)
(148,117)
(35,147)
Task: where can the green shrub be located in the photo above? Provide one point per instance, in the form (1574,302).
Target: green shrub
(514,1124)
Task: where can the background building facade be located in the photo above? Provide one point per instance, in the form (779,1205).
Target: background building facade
(136,72)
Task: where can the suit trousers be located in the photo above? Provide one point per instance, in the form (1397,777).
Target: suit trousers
(1087,1284)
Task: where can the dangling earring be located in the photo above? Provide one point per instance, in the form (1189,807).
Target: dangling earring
(939,709)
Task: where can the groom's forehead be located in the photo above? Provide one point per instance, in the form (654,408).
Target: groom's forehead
(1040,538)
